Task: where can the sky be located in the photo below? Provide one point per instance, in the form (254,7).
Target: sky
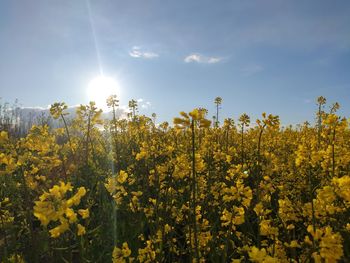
(260,56)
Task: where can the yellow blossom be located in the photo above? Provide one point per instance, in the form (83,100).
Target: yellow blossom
(84,213)
(81,230)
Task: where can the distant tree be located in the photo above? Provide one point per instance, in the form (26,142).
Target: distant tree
(10,118)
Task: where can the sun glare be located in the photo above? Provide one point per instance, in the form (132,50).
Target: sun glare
(100,88)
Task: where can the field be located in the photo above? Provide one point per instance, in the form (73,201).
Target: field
(131,190)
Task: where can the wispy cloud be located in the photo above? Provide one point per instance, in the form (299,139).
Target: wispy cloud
(198,58)
(137,52)
(144,104)
(36,108)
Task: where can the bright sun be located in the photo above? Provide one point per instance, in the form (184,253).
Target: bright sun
(100,88)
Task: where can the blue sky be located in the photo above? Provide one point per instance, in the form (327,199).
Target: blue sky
(274,56)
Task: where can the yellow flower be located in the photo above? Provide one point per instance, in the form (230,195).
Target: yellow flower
(293,244)
(348,227)
(58,230)
(126,250)
(52,206)
(15,258)
(71,215)
(266,229)
(330,244)
(147,254)
(167,228)
(81,230)
(3,136)
(259,209)
(343,187)
(75,200)
(122,177)
(120,255)
(261,256)
(84,213)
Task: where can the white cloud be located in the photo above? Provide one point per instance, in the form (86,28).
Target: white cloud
(143,104)
(136,52)
(146,105)
(214,60)
(195,57)
(38,108)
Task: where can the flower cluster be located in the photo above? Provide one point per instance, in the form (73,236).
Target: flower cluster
(53,206)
